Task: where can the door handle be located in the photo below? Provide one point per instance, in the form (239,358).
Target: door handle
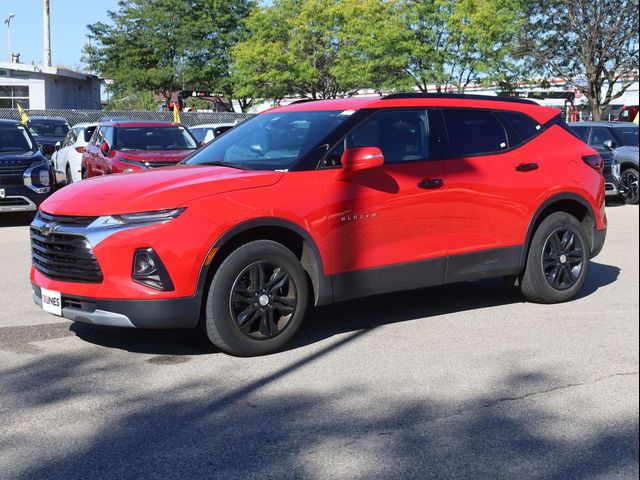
(430,184)
(527,167)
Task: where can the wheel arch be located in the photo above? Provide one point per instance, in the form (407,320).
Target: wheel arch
(570,203)
(289,234)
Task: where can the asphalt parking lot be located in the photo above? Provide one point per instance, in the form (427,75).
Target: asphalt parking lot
(464,381)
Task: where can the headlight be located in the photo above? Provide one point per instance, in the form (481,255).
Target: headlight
(156,216)
(43,178)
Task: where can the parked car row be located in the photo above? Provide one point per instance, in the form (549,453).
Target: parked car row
(617,144)
(86,150)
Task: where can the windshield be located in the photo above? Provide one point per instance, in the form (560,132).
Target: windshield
(15,139)
(48,129)
(154,138)
(271,141)
(628,136)
(199,133)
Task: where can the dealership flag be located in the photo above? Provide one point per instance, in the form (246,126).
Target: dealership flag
(635,120)
(24,118)
(176,114)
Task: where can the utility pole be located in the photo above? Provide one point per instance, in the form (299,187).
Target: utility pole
(8,22)
(47,34)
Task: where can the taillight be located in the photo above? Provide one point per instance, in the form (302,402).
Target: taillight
(79,149)
(594,161)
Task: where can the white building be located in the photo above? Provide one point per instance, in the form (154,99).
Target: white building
(39,88)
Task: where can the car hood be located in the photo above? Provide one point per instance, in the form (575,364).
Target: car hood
(155,155)
(149,190)
(20,158)
(626,153)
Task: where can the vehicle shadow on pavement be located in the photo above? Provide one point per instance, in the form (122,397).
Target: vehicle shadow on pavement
(325,322)
(372,312)
(213,428)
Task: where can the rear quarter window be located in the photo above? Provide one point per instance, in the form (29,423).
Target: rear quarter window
(474,132)
(522,127)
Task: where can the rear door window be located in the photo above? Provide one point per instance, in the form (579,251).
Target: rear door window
(474,132)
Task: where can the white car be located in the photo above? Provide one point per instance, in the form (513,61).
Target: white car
(208,131)
(68,155)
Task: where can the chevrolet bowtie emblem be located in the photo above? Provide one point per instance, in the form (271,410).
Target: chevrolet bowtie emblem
(48,228)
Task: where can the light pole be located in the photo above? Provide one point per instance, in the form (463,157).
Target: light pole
(8,22)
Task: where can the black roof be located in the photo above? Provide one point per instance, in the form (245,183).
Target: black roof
(460,96)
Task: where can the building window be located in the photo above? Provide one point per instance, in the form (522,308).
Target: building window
(11,96)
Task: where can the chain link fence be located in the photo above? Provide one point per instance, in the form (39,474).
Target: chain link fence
(80,116)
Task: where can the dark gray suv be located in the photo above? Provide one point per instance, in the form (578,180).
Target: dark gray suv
(617,144)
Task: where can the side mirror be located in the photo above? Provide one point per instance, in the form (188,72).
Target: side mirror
(608,144)
(104,148)
(57,146)
(361,158)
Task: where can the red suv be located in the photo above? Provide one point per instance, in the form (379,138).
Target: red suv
(324,201)
(127,146)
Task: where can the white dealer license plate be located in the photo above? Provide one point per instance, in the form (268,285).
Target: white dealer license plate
(52,301)
(2,194)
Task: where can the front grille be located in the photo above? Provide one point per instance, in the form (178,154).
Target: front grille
(11,172)
(64,256)
(160,164)
(66,220)
(13,202)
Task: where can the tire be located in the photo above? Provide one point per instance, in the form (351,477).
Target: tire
(558,260)
(83,173)
(68,175)
(241,319)
(629,186)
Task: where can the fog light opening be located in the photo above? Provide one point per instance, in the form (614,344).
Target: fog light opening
(149,270)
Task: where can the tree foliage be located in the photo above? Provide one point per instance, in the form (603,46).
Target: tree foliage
(165,45)
(452,43)
(591,44)
(320,49)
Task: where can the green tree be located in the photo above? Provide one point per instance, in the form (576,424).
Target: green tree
(452,43)
(166,45)
(127,99)
(590,44)
(320,49)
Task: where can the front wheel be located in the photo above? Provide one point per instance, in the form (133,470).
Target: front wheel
(629,186)
(257,299)
(558,260)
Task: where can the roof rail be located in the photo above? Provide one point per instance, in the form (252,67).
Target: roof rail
(303,100)
(461,96)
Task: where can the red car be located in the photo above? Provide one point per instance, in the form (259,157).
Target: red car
(324,201)
(128,146)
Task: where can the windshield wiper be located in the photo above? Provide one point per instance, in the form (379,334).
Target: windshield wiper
(222,163)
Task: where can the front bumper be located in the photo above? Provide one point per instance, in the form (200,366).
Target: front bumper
(152,314)
(611,184)
(599,237)
(20,198)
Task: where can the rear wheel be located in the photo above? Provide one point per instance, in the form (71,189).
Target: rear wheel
(558,260)
(257,299)
(629,186)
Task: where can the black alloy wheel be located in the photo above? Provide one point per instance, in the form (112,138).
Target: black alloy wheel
(562,258)
(263,300)
(629,186)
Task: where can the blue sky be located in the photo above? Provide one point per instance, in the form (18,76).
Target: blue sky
(69,20)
